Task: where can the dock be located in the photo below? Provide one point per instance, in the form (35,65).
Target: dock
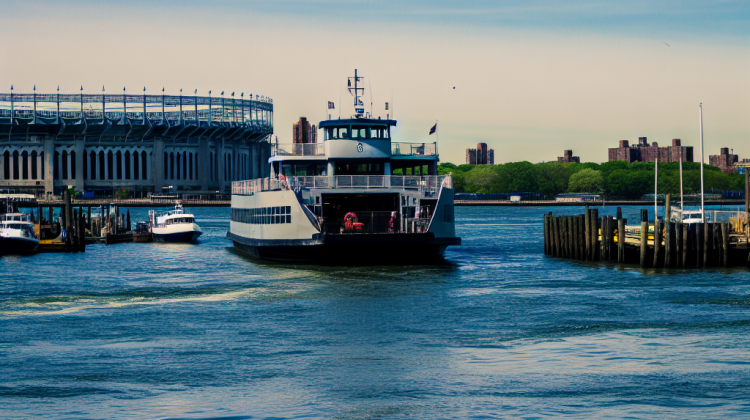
(659,244)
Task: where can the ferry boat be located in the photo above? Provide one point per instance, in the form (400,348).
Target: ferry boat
(17,234)
(356,197)
(174,225)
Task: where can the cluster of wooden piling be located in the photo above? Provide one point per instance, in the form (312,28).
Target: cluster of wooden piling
(668,244)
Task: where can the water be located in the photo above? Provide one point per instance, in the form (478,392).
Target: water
(180,331)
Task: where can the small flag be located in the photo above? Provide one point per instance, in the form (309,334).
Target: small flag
(386,106)
(433,129)
(330,105)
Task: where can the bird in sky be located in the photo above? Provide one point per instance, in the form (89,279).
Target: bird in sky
(667,45)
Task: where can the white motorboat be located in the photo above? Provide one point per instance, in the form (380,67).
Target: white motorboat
(174,226)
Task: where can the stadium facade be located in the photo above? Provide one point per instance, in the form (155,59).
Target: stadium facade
(140,143)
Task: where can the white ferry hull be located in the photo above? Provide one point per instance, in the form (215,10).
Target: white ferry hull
(179,233)
(12,245)
(298,238)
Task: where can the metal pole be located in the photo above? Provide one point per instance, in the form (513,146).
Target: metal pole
(703,208)
(682,198)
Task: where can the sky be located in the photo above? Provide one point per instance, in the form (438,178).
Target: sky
(532,78)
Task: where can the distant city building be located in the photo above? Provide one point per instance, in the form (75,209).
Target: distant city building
(725,160)
(480,156)
(643,152)
(304,132)
(568,157)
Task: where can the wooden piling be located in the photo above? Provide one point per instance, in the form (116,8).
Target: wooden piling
(621,223)
(546,237)
(678,244)
(644,242)
(577,226)
(667,243)
(707,245)
(716,254)
(657,242)
(587,232)
(553,236)
(667,211)
(685,244)
(699,248)
(724,244)
(594,230)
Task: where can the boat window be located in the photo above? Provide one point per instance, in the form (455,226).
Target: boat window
(376,132)
(343,133)
(359,132)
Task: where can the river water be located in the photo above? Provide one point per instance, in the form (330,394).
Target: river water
(199,331)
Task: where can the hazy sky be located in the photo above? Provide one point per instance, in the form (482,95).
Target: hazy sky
(531,77)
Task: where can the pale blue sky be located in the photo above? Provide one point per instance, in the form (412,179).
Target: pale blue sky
(532,77)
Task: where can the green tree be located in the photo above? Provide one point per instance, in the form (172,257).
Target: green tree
(586,181)
(552,177)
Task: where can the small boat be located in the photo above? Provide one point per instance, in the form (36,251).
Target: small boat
(17,234)
(174,226)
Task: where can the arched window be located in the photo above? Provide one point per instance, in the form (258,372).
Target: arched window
(41,157)
(118,156)
(6,165)
(211,166)
(56,165)
(184,166)
(127,164)
(25,165)
(64,165)
(144,168)
(34,165)
(92,157)
(72,173)
(166,165)
(135,165)
(85,161)
(190,160)
(110,165)
(171,165)
(178,166)
(102,166)
(16,171)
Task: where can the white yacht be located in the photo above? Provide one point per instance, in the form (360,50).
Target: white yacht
(355,197)
(174,225)
(17,234)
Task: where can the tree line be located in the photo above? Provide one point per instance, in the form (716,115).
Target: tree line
(616,180)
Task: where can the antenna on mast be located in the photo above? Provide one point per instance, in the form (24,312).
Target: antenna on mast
(359,109)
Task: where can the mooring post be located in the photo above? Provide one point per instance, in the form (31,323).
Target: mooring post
(594,234)
(581,237)
(621,223)
(546,242)
(587,231)
(724,244)
(553,235)
(667,243)
(576,254)
(644,242)
(707,245)
(685,244)
(657,241)
(668,208)
(700,245)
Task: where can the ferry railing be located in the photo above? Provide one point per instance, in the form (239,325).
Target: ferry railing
(428,185)
(413,149)
(299,149)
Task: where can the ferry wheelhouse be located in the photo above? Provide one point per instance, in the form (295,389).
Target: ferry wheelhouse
(356,197)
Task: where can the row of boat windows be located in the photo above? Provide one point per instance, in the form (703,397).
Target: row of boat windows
(357,132)
(263,215)
(179,220)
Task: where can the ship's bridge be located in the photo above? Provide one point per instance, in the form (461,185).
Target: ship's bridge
(357,146)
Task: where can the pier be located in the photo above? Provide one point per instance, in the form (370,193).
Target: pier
(660,244)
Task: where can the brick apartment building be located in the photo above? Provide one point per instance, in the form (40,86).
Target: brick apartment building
(568,157)
(724,160)
(480,156)
(304,132)
(643,152)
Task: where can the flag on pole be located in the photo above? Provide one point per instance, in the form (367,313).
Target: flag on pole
(330,105)
(433,129)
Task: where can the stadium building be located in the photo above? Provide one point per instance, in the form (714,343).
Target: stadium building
(138,143)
